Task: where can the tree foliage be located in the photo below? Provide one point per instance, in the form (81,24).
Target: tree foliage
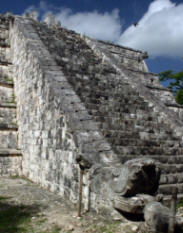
(175,83)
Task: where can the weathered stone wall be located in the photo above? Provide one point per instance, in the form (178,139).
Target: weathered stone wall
(47,145)
(88,101)
(10,165)
(50,115)
(10,156)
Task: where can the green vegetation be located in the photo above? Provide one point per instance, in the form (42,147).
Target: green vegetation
(55,229)
(22,219)
(21,177)
(179,204)
(3,198)
(107,227)
(8,79)
(15,177)
(175,83)
(12,99)
(14,219)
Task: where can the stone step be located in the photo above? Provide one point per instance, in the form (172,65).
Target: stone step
(167,199)
(137,134)
(4,44)
(164,94)
(8,116)
(5,63)
(159,88)
(6,73)
(117,106)
(8,139)
(10,162)
(113,123)
(172,105)
(165,159)
(148,150)
(171,178)
(129,113)
(8,127)
(7,95)
(171,168)
(142,142)
(8,105)
(119,121)
(166,189)
(6,82)
(6,152)
(4,35)
(4,28)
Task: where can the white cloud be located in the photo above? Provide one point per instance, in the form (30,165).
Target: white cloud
(160,30)
(104,26)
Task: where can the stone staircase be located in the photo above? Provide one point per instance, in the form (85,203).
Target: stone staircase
(148,135)
(10,155)
(127,118)
(135,115)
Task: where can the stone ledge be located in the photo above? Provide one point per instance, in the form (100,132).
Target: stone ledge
(6,127)
(134,205)
(5,63)
(142,72)
(8,105)
(6,84)
(166,189)
(4,44)
(4,28)
(174,105)
(158,88)
(10,152)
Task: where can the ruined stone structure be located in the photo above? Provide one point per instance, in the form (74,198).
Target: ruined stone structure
(69,102)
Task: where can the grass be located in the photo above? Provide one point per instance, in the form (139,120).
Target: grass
(3,198)
(14,177)
(8,79)
(14,219)
(22,219)
(55,229)
(179,204)
(22,178)
(107,227)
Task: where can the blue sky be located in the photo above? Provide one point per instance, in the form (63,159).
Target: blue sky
(159,30)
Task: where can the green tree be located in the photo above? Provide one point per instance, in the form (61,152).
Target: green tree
(175,83)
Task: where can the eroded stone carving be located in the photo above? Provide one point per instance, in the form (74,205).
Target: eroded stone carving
(137,176)
(34,15)
(157,218)
(51,21)
(133,205)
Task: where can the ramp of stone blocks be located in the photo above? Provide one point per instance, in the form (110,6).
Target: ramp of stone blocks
(163,102)
(10,156)
(112,117)
(121,100)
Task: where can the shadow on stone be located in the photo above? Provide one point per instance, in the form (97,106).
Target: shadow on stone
(132,217)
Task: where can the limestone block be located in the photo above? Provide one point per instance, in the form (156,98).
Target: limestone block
(157,218)
(137,176)
(133,205)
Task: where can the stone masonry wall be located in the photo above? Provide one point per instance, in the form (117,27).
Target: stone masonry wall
(79,101)
(53,122)
(10,156)
(47,146)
